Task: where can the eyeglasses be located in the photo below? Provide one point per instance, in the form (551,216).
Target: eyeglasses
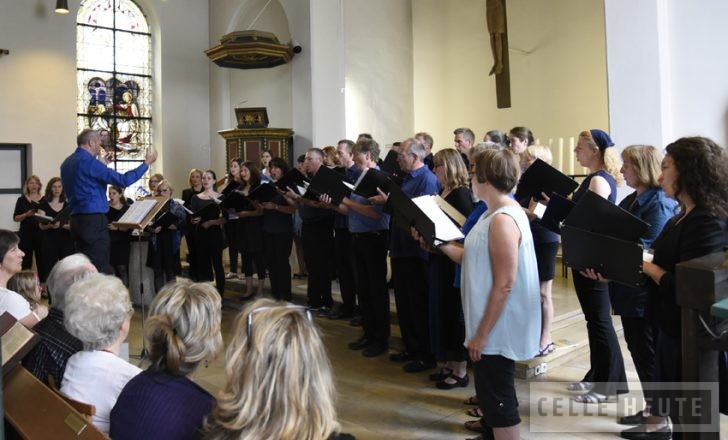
(260,309)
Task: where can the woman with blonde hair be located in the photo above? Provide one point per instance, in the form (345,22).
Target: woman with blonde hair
(546,244)
(195,180)
(607,377)
(25,208)
(447,329)
(182,332)
(641,171)
(279,383)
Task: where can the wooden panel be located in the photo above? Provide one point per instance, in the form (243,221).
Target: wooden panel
(274,146)
(232,150)
(35,411)
(252,150)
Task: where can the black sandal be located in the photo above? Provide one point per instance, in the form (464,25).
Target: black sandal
(459,382)
(442,375)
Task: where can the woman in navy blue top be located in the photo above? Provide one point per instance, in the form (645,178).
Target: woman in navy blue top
(183,331)
(606,376)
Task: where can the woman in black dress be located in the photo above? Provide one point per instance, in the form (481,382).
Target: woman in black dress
(57,241)
(694,174)
(207,233)
(231,227)
(447,325)
(119,239)
(278,236)
(250,228)
(25,208)
(195,179)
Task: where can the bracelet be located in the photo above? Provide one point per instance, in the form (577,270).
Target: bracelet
(36,315)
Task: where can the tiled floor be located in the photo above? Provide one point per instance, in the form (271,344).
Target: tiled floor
(377,400)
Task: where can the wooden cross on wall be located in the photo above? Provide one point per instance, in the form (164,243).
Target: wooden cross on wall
(495,15)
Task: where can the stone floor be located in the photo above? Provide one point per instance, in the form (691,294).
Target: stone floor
(377,400)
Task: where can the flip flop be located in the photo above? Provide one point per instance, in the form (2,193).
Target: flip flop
(475,412)
(473,425)
(580,386)
(548,349)
(593,397)
(472,400)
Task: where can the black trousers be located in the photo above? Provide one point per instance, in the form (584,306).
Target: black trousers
(370,274)
(447,324)
(31,242)
(345,269)
(208,244)
(90,234)
(231,235)
(277,251)
(668,368)
(411,297)
(607,364)
(318,249)
(639,334)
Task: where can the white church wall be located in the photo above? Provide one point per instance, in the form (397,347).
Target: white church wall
(379,69)
(38,83)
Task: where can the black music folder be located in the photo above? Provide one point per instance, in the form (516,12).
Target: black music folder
(330,182)
(63,217)
(293,179)
(615,259)
(165,220)
(390,164)
(265,192)
(209,212)
(237,201)
(230,187)
(371,179)
(557,210)
(541,177)
(425,216)
(597,214)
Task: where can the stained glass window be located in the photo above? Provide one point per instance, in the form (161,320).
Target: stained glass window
(114,79)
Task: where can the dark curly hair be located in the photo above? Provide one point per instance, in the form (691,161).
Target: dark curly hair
(702,167)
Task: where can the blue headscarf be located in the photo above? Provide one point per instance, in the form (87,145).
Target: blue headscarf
(601,138)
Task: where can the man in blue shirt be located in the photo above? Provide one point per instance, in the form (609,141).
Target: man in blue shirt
(84,180)
(409,265)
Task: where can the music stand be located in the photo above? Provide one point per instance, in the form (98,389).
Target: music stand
(139,215)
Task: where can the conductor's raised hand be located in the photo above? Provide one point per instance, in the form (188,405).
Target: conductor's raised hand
(151,156)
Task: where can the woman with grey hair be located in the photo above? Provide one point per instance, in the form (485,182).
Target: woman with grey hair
(98,312)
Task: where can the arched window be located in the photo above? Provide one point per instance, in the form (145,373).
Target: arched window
(114,78)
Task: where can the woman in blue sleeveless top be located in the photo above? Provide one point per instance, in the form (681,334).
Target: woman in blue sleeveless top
(607,377)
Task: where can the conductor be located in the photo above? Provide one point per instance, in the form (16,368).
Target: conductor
(85,179)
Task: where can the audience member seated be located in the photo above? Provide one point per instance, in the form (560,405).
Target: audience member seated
(279,383)
(182,331)
(56,344)
(27,284)
(98,312)
(11,260)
